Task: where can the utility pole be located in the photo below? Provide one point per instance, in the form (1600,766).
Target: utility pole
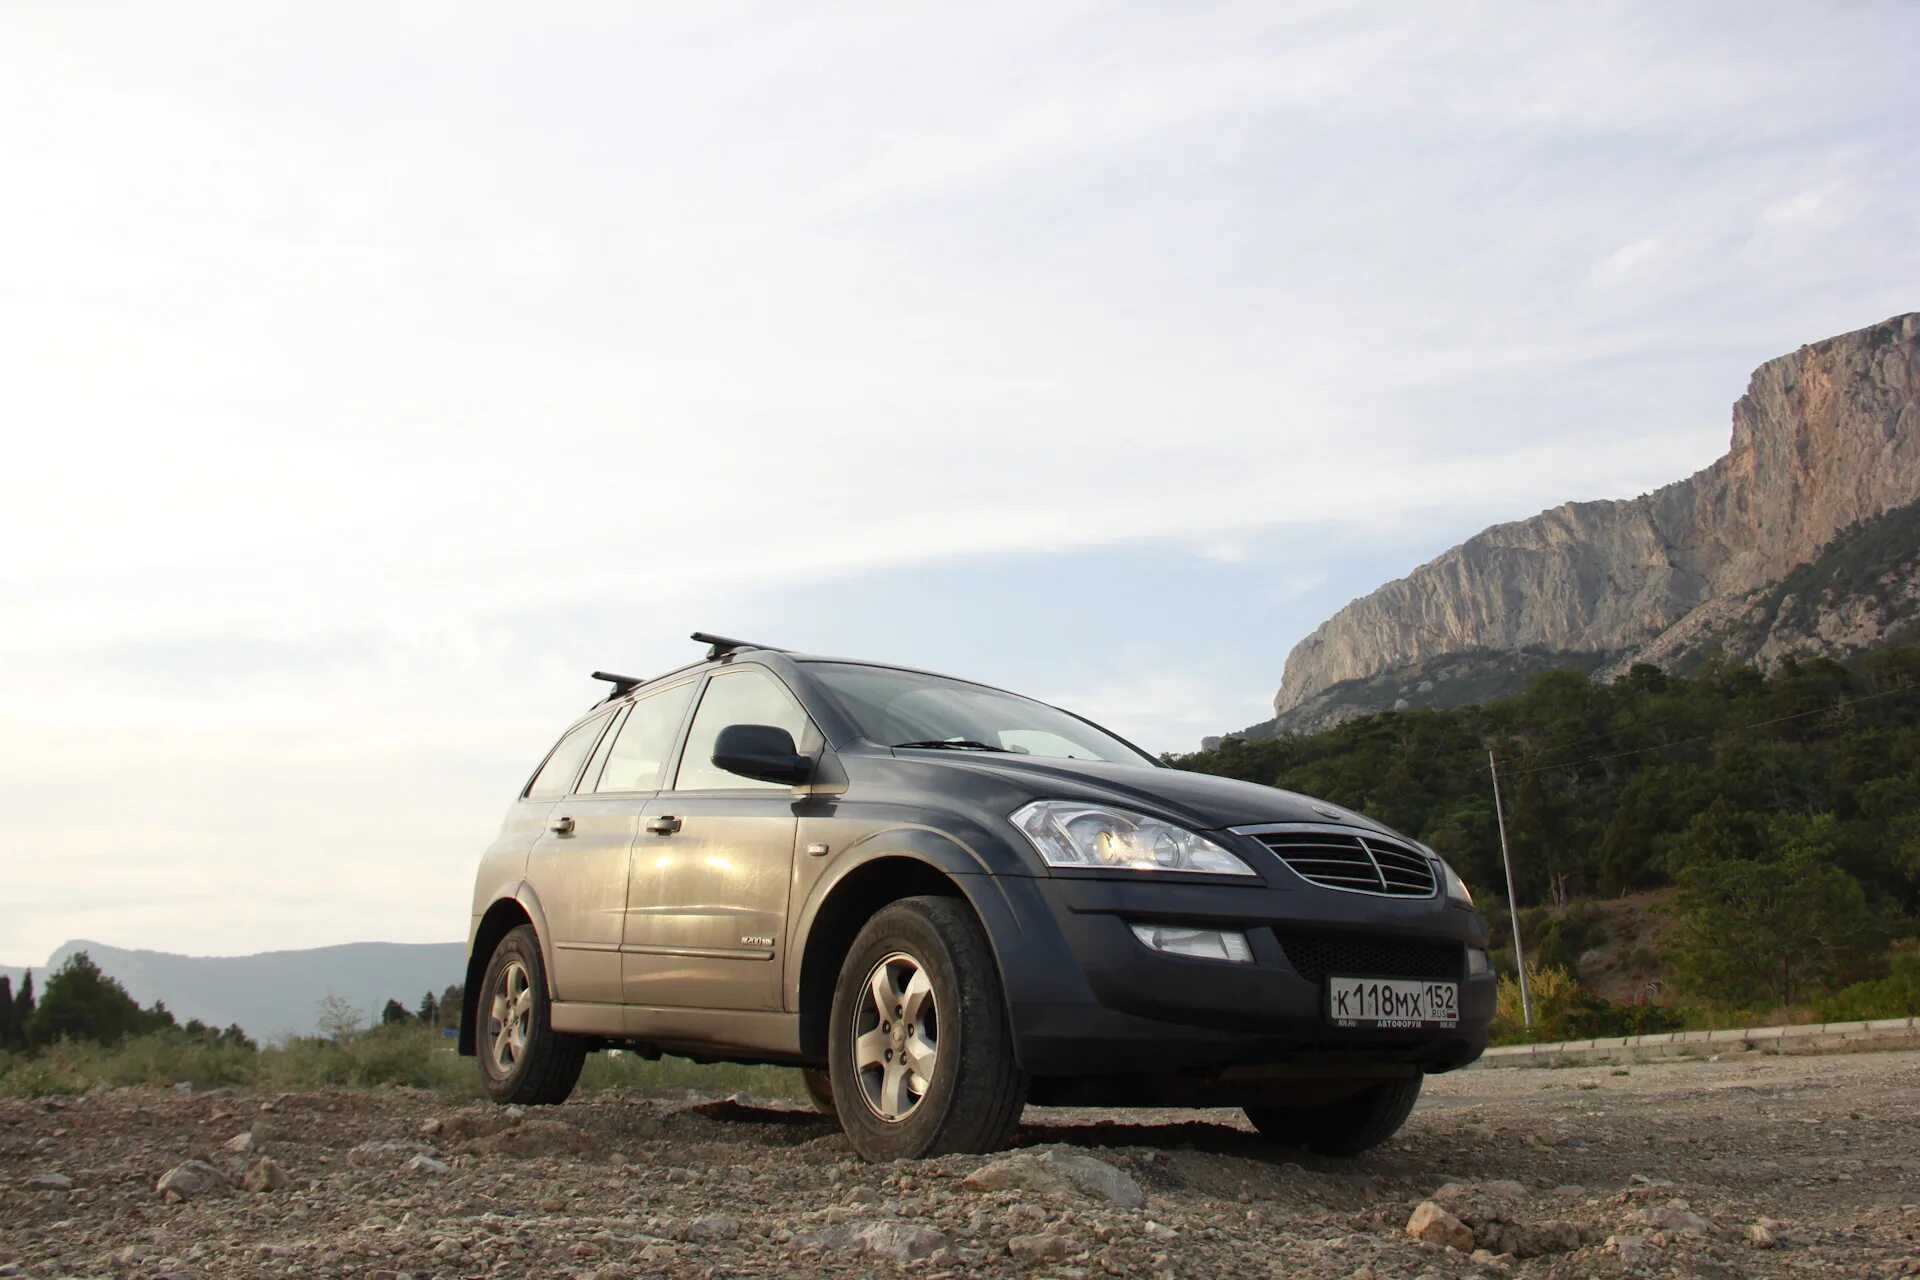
(1513,903)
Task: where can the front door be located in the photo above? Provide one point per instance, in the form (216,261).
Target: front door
(578,869)
(707,899)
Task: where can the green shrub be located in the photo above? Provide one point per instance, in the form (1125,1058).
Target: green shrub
(1895,996)
(1565,1010)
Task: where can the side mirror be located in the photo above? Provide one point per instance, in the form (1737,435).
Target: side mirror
(761,752)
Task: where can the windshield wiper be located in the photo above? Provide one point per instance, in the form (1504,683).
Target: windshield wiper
(957,744)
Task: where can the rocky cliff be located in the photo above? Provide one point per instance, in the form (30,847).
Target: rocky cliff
(1825,439)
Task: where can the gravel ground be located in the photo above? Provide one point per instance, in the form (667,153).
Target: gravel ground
(1755,1166)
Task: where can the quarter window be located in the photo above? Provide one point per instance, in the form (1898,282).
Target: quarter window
(563,765)
(639,754)
(745,695)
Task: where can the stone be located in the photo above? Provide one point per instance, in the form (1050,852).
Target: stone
(1630,1249)
(266,1175)
(49,1182)
(1055,1171)
(1435,1225)
(900,1241)
(246,1143)
(1038,1248)
(716,1226)
(388,1152)
(428,1165)
(189,1179)
(1760,1235)
(1674,1218)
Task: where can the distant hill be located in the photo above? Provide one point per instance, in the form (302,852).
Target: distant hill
(274,993)
(1795,541)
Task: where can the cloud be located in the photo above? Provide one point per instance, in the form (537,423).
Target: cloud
(368,374)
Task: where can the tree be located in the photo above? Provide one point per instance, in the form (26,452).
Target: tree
(82,1003)
(22,1008)
(1751,930)
(337,1019)
(429,1011)
(394,1014)
(452,1000)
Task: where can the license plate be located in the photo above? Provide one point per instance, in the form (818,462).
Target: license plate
(1392,1003)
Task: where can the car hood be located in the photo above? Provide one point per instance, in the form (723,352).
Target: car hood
(1198,800)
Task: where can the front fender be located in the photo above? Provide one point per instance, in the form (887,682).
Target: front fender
(508,906)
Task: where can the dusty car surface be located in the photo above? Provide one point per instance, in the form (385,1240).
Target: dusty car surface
(945,901)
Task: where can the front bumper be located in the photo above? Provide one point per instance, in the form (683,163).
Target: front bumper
(1106,1004)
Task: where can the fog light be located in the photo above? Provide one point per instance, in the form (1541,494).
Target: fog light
(1478,966)
(1203,944)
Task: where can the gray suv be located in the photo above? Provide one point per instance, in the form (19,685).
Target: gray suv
(943,901)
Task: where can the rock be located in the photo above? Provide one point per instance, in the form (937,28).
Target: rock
(390,1153)
(716,1226)
(1675,1218)
(900,1241)
(1435,1225)
(1760,1235)
(1038,1248)
(1824,438)
(1630,1249)
(429,1166)
(553,1204)
(266,1175)
(1160,1231)
(867,1195)
(189,1179)
(531,1139)
(49,1182)
(1059,1172)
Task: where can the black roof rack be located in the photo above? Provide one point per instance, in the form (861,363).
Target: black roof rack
(621,684)
(721,646)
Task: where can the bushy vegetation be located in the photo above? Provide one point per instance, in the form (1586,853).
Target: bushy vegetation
(407,1056)
(1783,808)
(1565,1010)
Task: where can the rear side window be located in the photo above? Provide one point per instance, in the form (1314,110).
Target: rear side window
(639,754)
(557,774)
(746,695)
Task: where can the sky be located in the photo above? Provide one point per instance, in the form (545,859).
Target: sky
(369,374)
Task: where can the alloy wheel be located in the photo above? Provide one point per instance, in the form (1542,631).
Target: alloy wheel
(510,1016)
(896,1037)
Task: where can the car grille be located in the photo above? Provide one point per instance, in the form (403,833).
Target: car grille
(1316,955)
(1358,864)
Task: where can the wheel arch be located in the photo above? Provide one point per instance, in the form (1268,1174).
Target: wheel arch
(507,913)
(912,865)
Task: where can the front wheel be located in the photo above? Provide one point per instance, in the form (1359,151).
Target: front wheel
(920,1055)
(522,1058)
(1356,1123)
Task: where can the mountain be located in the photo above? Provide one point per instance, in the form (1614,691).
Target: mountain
(274,993)
(1826,443)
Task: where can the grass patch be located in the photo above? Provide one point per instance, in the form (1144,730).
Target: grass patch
(413,1057)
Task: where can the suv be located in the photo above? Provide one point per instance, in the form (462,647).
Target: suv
(943,901)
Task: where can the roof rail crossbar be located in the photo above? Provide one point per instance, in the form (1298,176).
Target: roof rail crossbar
(621,684)
(721,646)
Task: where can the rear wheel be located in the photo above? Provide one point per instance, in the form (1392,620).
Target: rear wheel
(820,1089)
(920,1055)
(522,1058)
(1356,1123)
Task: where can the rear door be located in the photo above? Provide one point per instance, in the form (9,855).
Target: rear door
(707,900)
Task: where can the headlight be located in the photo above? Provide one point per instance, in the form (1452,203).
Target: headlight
(1071,834)
(1456,887)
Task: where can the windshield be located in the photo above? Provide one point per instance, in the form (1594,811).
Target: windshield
(906,708)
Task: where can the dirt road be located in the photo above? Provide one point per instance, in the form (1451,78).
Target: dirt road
(1757,1166)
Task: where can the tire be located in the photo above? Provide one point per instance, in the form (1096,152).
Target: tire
(931,960)
(820,1089)
(1359,1122)
(522,1058)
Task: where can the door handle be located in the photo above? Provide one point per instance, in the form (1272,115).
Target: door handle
(561,826)
(665,825)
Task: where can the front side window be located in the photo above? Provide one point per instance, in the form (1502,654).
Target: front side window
(639,754)
(745,695)
(907,708)
(557,774)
